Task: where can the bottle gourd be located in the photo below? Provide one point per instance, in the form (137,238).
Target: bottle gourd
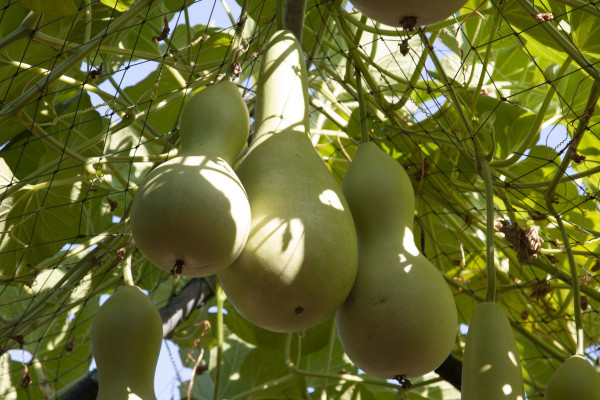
(191,214)
(300,259)
(408,13)
(491,363)
(400,318)
(575,379)
(126,339)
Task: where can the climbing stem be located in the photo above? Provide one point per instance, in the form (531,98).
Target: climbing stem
(362,108)
(584,119)
(486,59)
(415,77)
(574,282)
(41,133)
(220,296)
(330,345)
(452,96)
(264,386)
(563,41)
(228,11)
(550,195)
(72,61)
(236,45)
(25,30)
(582,5)
(490,293)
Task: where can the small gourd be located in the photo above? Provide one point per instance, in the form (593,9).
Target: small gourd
(575,379)
(191,215)
(408,14)
(491,364)
(300,259)
(126,339)
(400,318)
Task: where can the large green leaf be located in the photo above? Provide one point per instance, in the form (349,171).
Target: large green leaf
(61,7)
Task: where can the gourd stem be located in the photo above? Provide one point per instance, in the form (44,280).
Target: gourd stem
(233,65)
(490,293)
(127,274)
(287,351)
(280,15)
(362,107)
(220,296)
(294,17)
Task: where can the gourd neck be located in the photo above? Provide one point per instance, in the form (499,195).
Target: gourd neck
(215,123)
(282,90)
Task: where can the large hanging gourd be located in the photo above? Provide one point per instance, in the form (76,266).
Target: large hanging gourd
(491,364)
(408,14)
(575,379)
(126,340)
(300,259)
(400,318)
(191,214)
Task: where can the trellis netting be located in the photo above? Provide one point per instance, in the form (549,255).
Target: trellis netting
(90,96)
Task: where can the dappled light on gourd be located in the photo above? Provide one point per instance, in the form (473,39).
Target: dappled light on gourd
(126,340)
(400,318)
(191,214)
(300,260)
(491,364)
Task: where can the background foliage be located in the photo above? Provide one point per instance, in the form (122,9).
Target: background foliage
(496,79)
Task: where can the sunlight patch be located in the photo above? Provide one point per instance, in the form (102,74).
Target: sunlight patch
(330,198)
(507,389)
(512,358)
(485,368)
(409,242)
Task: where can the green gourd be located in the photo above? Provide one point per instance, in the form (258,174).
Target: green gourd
(491,364)
(575,379)
(408,13)
(400,318)
(191,215)
(126,339)
(300,260)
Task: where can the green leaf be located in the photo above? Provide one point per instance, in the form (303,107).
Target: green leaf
(261,365)
(310,340)
(230,383)
(118,5)
(60,7)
